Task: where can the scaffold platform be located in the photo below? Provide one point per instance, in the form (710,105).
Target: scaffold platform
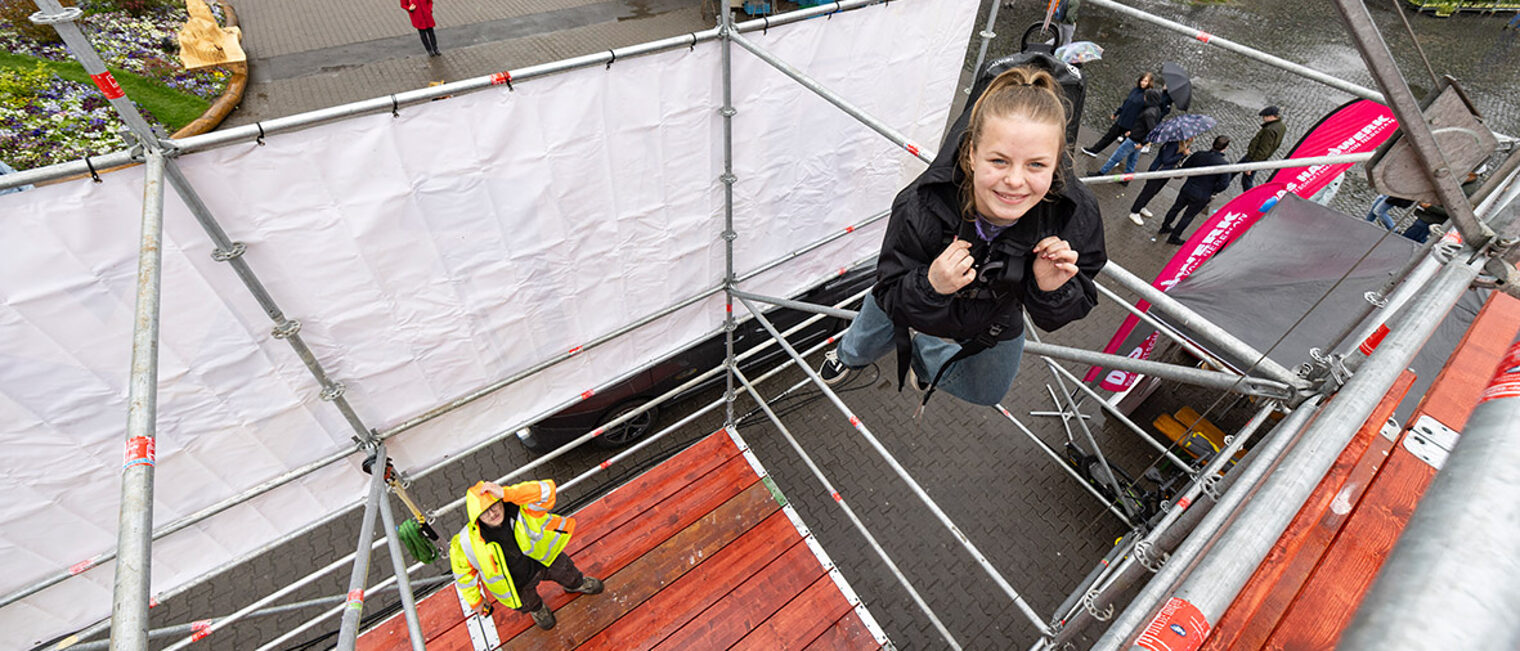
(1306,591)
(699,552)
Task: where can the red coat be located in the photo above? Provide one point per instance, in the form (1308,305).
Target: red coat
(422,16)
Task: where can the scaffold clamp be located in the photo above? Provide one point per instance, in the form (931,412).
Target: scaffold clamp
(333,391)
(224,255)
(287,329)
(68,15)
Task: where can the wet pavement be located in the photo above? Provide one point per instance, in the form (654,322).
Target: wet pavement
(1033,522)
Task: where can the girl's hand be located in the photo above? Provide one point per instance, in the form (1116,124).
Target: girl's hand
(1054,264)
(951,270)
(411,7)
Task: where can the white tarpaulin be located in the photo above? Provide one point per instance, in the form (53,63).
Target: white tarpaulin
(425,256)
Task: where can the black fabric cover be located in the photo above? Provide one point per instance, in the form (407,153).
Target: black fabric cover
(1269,287)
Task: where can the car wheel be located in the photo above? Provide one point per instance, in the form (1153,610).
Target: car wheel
(634,429)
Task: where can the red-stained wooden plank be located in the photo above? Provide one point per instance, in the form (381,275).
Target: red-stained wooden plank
(847,633)
(686,598)
(1255,611)
(801,621)
(1455,391)
(1326,601)
(612,553)
(440,611)
(733,615)
(584,618)
(646,491)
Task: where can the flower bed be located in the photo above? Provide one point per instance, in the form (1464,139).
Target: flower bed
(46,119)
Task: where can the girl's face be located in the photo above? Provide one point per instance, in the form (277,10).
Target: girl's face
(1012,166)
(1146,81)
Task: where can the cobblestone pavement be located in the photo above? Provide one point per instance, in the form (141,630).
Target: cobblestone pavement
(1034,523)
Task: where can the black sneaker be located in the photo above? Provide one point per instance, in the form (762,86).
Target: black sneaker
(1089,152)
(1163,230)
(832,370)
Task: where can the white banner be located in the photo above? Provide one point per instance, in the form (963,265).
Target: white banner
(425,256)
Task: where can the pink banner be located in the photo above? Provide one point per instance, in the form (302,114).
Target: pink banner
(1240,214)
(1356,127)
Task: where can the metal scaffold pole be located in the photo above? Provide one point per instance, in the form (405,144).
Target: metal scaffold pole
(1412,122)
(1452,580)
(987,35)
(134,542)
(348,634)
(398,565)
(1216,578)
(727,111)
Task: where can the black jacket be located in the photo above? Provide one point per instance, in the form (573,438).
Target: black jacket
(1125,115)
(926,217)
(1149,117)
(1206,185)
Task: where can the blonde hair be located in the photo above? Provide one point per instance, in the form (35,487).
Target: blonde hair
(1026,92)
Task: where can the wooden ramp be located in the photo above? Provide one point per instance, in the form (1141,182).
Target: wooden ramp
(696,553)
(1306,591)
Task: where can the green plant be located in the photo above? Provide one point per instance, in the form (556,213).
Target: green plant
(174,108)
(19,84)
(140,7)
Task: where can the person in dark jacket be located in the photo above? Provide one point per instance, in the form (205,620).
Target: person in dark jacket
(1129,150)
(1168,158)
(997,226)
(1380,208)
(1123,117)
(1196,191)
(1430,214)
(1265,143)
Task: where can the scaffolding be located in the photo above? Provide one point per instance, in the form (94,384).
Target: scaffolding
(1201,548)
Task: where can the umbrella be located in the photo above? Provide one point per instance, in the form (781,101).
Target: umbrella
(1079,52)
(1181,127)
(1178,85)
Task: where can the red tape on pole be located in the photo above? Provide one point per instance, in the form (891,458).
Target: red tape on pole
(202,629)
(139,452)
(107,85)
(356,598)
(1506,382)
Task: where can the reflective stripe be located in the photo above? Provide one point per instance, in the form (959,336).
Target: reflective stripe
(494,579)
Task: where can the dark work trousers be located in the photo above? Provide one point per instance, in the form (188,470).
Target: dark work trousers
(1146,193)
(561,571)
(1189,207)
(429,41)
(1114,132)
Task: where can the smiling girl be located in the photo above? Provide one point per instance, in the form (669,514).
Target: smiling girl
(997,225)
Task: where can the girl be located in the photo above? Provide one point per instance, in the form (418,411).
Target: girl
(996,225)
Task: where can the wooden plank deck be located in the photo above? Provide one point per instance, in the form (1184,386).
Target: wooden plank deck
(1307,589)
(696,553)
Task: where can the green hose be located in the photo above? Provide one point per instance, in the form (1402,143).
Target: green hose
(421,549)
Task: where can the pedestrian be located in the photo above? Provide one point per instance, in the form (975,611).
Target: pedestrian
(1129,150)
(996,227)
(1066,20)
(1429,214)
(1380,208)
(1123,118)
(502,553)
(1196,191)
(1265,143)
(421,12)
(1168,158)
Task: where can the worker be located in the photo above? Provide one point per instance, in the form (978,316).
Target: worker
(503,553)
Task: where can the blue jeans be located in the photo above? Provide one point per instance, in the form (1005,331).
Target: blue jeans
(982,379)
(1129,152)
(1379,212)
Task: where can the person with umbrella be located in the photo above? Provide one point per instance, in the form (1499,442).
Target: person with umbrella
(1177,134)
(1265,143)
(1196,191)
(1123,118)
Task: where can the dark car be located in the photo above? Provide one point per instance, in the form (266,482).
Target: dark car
(575,421)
